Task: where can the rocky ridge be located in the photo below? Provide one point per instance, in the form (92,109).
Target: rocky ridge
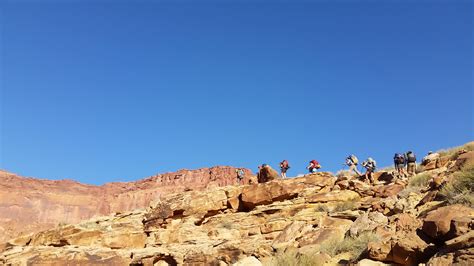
(272,223)
(31,205)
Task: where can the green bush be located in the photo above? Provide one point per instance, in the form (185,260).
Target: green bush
(419,180)
(461,187)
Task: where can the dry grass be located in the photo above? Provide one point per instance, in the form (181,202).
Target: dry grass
(353,245)
(419,180)
(295,259)
(406,192)
(339,207)
(454,152)
(461,188)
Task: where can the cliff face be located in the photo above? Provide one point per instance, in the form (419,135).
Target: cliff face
(30,205)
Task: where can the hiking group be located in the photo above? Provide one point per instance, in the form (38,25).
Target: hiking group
(404,164)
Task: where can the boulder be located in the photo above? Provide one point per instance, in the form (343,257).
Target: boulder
(266,174)
(259,194)
(437,223)
(462,257)
(409,250)
(367,222)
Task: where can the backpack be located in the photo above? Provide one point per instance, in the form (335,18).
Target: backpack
(411,157)
(399,158)
(316,164)
(285,164)
(354,159)
(372,162)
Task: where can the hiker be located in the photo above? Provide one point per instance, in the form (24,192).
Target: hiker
(432,156)
(352,162)
(240,175)
(370,165)
(411,163)
(399,161)
(313,166)
(284,166)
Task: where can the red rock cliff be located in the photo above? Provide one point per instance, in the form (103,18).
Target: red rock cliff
(29,204)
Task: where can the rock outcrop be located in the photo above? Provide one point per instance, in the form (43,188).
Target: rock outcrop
(30,205)
(280,222)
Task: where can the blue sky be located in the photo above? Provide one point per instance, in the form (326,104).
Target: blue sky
(102,92)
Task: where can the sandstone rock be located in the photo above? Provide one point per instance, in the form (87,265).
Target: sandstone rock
(342,195)
(380,250)
(367,262)
(248,261)
(406,222)
(461,242)
(409,250)
(260,194)
(388,191)
(290,233)
(266,174)
(463,257)
(367,223)
(437,223)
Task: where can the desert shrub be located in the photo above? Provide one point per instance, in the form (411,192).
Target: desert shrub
(293,258)
(454,152)
(353,245)
(407,190)
(419,180)
(461,187)
(322,208)
(345,205)
(227,225)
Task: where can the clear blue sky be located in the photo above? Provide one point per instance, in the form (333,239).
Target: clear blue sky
(116,92)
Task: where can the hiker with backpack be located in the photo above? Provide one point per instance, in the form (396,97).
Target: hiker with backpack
(240,175)
(313,166)
(399,161)
(411,163)
(284,166)
(352,162)
(370,165)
